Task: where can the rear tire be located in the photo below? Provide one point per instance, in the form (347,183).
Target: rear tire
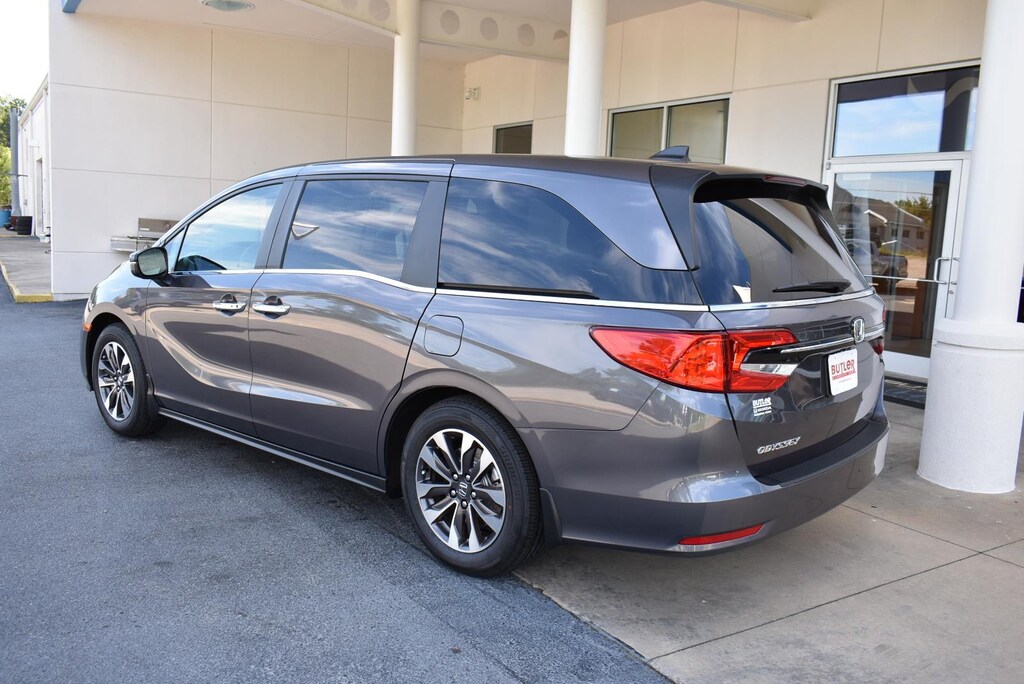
(470,488)
(121,386)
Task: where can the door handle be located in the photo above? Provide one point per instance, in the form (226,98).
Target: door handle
(935,270)
(272,306)
(228,304)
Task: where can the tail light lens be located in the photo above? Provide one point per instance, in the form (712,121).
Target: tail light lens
(878,344)
(709,362)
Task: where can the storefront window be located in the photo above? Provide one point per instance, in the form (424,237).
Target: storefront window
(637,134)
(514,139)
(702,125)
(918,113)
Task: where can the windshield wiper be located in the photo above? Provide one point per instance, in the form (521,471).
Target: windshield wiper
(816,286)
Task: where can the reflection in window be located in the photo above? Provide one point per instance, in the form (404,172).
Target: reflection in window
(359,225)
(227,237)
(920,113)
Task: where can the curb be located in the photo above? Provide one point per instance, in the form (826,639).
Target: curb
(18,295)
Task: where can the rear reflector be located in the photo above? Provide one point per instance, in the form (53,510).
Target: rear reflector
(708,362)
(721,537)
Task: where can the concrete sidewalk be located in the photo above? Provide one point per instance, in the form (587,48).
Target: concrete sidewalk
(907,581)
(25,263)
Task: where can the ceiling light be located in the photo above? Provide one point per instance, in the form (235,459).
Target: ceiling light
(228,5)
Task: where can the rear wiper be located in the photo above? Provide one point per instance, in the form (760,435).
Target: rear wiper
(816,286)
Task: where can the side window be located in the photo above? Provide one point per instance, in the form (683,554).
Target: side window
(227,237)
(504,236)
(360,225)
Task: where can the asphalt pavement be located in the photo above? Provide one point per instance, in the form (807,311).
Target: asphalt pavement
(186,557)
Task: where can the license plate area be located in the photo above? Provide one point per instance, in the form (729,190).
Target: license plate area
(842,371)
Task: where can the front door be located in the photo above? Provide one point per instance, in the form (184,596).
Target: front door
(198,315)
(900,221)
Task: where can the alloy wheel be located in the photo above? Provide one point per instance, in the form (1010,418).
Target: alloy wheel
(460,490)
(115,379)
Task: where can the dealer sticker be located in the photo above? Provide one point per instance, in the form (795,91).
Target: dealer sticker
(842,371)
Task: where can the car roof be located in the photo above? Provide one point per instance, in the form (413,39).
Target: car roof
(610,167)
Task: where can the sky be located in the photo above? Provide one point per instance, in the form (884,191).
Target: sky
(23,61)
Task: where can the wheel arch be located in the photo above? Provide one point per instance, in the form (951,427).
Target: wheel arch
(97,325)
(417,395)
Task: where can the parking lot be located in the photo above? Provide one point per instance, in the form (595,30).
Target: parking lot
(189,558)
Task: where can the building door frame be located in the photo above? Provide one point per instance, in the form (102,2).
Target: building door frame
(940,272)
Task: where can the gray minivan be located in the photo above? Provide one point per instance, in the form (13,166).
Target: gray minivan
(651,355)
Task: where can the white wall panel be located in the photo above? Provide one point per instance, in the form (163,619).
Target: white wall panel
(841,40)
(549,135)
(780,128)
(681,53)
(124,54)
(370,84)
(368,138)
(440,141)
(116,131)
(439,95)
(918,32)
(250,140)
(281,73)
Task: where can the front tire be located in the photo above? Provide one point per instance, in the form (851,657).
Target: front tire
(470,488)
(120,384)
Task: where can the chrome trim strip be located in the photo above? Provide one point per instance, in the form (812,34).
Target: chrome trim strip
(876,331)
(352,274)
(573,300)
(844,341)
(792,302)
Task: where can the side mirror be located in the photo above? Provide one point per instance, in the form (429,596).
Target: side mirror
(149,263)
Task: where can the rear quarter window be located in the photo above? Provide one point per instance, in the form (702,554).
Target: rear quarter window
(500,236)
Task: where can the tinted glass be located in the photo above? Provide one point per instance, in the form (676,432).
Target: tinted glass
(359,225)
(765,250)
(514,139)
(503,236)
(227,237)
(702,126)
(932,112)
(637,135)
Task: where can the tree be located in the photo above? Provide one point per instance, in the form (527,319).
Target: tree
(5,179)
(6,102)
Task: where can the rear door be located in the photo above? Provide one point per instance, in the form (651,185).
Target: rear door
(767,257)
(330,328)
(197,316)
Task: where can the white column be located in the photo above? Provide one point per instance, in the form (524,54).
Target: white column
(586,74)
(403,94)
(972,423)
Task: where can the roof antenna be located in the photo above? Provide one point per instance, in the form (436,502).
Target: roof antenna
(680,153)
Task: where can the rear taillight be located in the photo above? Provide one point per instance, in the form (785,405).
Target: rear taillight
(878,344)
(709,362)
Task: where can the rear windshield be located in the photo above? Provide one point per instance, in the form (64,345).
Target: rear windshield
(753,241)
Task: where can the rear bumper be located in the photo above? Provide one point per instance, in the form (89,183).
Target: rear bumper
(635,490)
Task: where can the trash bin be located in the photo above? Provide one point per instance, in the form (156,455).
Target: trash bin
(22,224)
(5,217)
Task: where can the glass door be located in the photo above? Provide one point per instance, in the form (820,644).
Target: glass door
(899,220)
